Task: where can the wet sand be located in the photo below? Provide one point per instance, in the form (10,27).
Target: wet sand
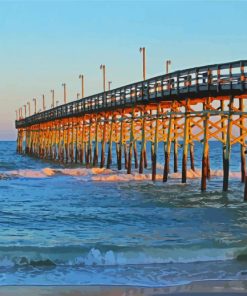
(215,288)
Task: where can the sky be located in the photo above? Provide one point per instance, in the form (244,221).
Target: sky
(46,43)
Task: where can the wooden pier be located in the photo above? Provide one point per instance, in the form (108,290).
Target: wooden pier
(198,104)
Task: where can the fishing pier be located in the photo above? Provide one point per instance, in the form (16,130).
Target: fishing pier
(197,104)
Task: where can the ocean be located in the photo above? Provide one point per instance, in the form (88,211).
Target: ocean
(67,225)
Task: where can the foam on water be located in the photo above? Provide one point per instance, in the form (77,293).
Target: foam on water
(107,175)
(121,257)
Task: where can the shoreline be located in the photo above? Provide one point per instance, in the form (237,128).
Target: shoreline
(208,287)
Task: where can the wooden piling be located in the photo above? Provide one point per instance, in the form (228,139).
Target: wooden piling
(82,160)
(18,141)
(89,145)
(55,142)
(143,143)
(155,144)
(86,148)
(59,137)
(109,155)
(120,144)
(223,133)
(131,141)
(227,150)
(51,141)
(72,144)
(102,161)
(205,147)
(95,155)
(126,164)
(242,145)
(80,156)
(245,188)
(135,154)
(175,147)
(62,142)
(67,144)
(168,147)
(208,164)
(76,142)
(185,143)
(192,158)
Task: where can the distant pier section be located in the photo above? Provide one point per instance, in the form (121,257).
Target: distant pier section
(197,104)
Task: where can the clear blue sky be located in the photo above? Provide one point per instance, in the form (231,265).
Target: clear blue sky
(44,44)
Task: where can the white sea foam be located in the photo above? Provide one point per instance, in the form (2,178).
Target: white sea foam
(28,173)
(48,172)
(107,175)
(144,256)
(125,177)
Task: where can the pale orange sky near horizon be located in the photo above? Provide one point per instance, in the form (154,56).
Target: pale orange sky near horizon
(44,44)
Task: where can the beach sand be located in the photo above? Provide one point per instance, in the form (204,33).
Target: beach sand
(204,288)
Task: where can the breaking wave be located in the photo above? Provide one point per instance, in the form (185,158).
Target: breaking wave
(107,175)
(117,256)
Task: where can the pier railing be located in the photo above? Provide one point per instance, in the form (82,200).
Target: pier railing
(210,80)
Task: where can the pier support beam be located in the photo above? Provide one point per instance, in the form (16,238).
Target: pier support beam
(185,145)
(119,145)
(245,188)
(192,158)
(242,145)
(205,148)
(102,161)
(126,164)
(143,143)
(72,142)
(109,156)
(135,154)
(175,147)
(168,148)
(95,155)
(76,143)
(227,148)
(208,164)
(89,145)
(131,141)
(155,144)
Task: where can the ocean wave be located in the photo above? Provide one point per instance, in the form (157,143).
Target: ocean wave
(49,172)
(4,176)
(107,175)
(118,256)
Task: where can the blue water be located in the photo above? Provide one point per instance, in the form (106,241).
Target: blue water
(69,225)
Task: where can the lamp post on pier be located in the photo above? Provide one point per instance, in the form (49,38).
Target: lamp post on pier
(78,96)
(82,85)
(35,105)
(52,98)
(109,85)
(102,67)
(168,63)
(64,93)
(29,110)
(43,99)
(25,110)
(20,113)
(143,51)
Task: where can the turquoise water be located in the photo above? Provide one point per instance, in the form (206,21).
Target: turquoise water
(70,225)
